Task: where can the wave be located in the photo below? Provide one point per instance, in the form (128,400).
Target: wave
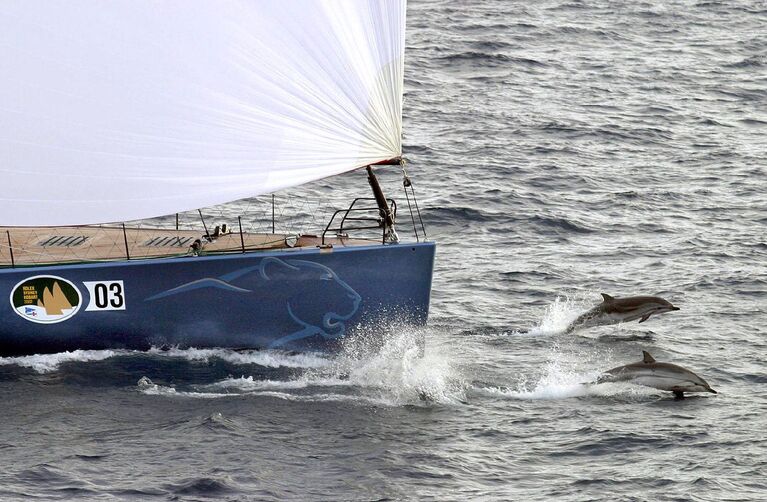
(392,370)
(486,59)
(248,384)
(265,358)
(217,421)
(47,363)
(564,390)
(486,46)
(753,122)
(148,387)
(397,373)
(52,481)
(202,487)
(560,223)
(749,62)
(456,214)
(561,382)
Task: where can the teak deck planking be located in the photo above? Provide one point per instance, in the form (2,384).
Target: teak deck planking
(50,245)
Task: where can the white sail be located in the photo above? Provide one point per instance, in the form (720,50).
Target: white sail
(126,109)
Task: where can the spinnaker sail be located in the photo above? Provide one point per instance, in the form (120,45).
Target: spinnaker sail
(128,109)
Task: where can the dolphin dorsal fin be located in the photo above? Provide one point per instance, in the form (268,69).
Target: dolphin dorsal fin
(607,297)
(647,358)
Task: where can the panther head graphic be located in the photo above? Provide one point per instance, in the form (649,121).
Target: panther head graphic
(320,301)
(315,300)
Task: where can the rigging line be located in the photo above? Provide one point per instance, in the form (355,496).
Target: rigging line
(415,200)
(418,211)
(406,182)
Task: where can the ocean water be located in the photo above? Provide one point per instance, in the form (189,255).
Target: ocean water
(559,149)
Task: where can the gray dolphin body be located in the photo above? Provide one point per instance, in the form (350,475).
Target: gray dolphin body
(617,310)
(662,376)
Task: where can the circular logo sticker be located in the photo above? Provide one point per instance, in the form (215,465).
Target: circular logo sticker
(45,299)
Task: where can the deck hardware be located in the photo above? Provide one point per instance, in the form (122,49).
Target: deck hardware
(10,248)
(242,239)
(125,238)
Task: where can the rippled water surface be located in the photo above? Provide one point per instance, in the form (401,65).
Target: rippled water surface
(559,150)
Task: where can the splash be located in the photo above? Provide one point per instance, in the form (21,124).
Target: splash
(404,371)
(386,366)
(47,363)
(558,316)
(558,390)
(397,372)
(564,380)
(558,381)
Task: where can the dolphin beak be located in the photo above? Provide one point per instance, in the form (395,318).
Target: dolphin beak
(712,390)
(675,308)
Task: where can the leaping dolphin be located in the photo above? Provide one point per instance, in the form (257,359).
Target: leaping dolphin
(617,310)
(662,376)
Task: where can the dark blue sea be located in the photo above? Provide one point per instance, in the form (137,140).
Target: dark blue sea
(559,149)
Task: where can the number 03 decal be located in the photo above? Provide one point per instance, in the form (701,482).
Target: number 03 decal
(106,295)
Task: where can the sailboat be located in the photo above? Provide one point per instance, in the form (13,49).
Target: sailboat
(118,112)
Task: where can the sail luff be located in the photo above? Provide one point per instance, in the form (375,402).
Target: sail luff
(122,110)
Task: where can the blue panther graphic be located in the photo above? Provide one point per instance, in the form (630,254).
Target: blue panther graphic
(314,299)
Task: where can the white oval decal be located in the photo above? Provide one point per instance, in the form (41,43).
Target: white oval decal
(45,299)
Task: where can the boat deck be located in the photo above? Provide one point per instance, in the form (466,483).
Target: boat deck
(21,246)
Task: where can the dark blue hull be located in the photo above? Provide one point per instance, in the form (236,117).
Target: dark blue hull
(293,300)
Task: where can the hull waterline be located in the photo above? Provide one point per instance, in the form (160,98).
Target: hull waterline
(302,299)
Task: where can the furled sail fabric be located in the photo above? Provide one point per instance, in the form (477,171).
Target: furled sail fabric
(126,109)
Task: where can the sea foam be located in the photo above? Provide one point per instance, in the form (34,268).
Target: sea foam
(46,363)
(399,372)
